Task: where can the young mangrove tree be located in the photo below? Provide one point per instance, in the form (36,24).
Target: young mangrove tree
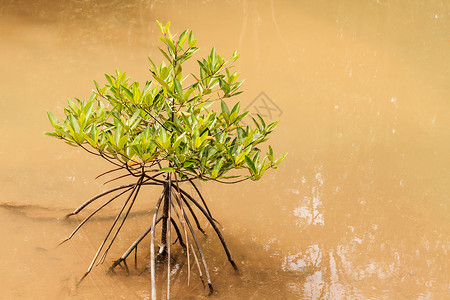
(162,134)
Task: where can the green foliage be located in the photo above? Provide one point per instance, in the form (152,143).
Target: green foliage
(167,125)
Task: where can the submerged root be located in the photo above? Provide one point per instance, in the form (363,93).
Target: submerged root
(174,202)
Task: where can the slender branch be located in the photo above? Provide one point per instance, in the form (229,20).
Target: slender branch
(163,248)
(183,223)
(193,214)
(198,265)
(89,151)
(93,213)
(201,197)
(192,249)
(168,244)
(205,266)
(139,184)
(179,237)
(161,182)
(230,182)
(109,232)
(211,221)
(126,266)
(130,170)
(152,244)
(82,206)
(108,159)
(154,118)
(133,246)
(109,171)
(118,177)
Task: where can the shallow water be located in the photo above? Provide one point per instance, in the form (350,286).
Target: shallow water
(359,208)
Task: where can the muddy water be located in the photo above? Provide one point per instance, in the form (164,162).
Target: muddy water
(359,209)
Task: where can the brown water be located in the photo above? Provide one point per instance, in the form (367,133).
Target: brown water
(358,210)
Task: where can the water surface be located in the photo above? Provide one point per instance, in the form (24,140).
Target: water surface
(359,208)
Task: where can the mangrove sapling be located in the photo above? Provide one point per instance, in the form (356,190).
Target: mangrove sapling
(162,135)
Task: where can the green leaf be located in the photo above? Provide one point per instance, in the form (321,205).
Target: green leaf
(128,93)
(178,87)
(122,142)
(262,121)
(240,158)
(236,108)
(257,124)
(171,45)
(166,28)
(237,93)
(182,38)
(88,108)
(52,119)
(161,81)
(279,159)
(197,142)
(188,93)
(153,64)
(167,170)
(165,54)
(235,55)
(233,117)
(74,124)
(216,169)
(263,167)
(52,134)
(160,26)
(250,164)
(179,140)
(192,43)
(225,109)
(190,38)
(270,154)
(133,121)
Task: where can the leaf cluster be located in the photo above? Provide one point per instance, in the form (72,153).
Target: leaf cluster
(167,125)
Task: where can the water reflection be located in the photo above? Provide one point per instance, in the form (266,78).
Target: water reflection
(309,210)
(370,245)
